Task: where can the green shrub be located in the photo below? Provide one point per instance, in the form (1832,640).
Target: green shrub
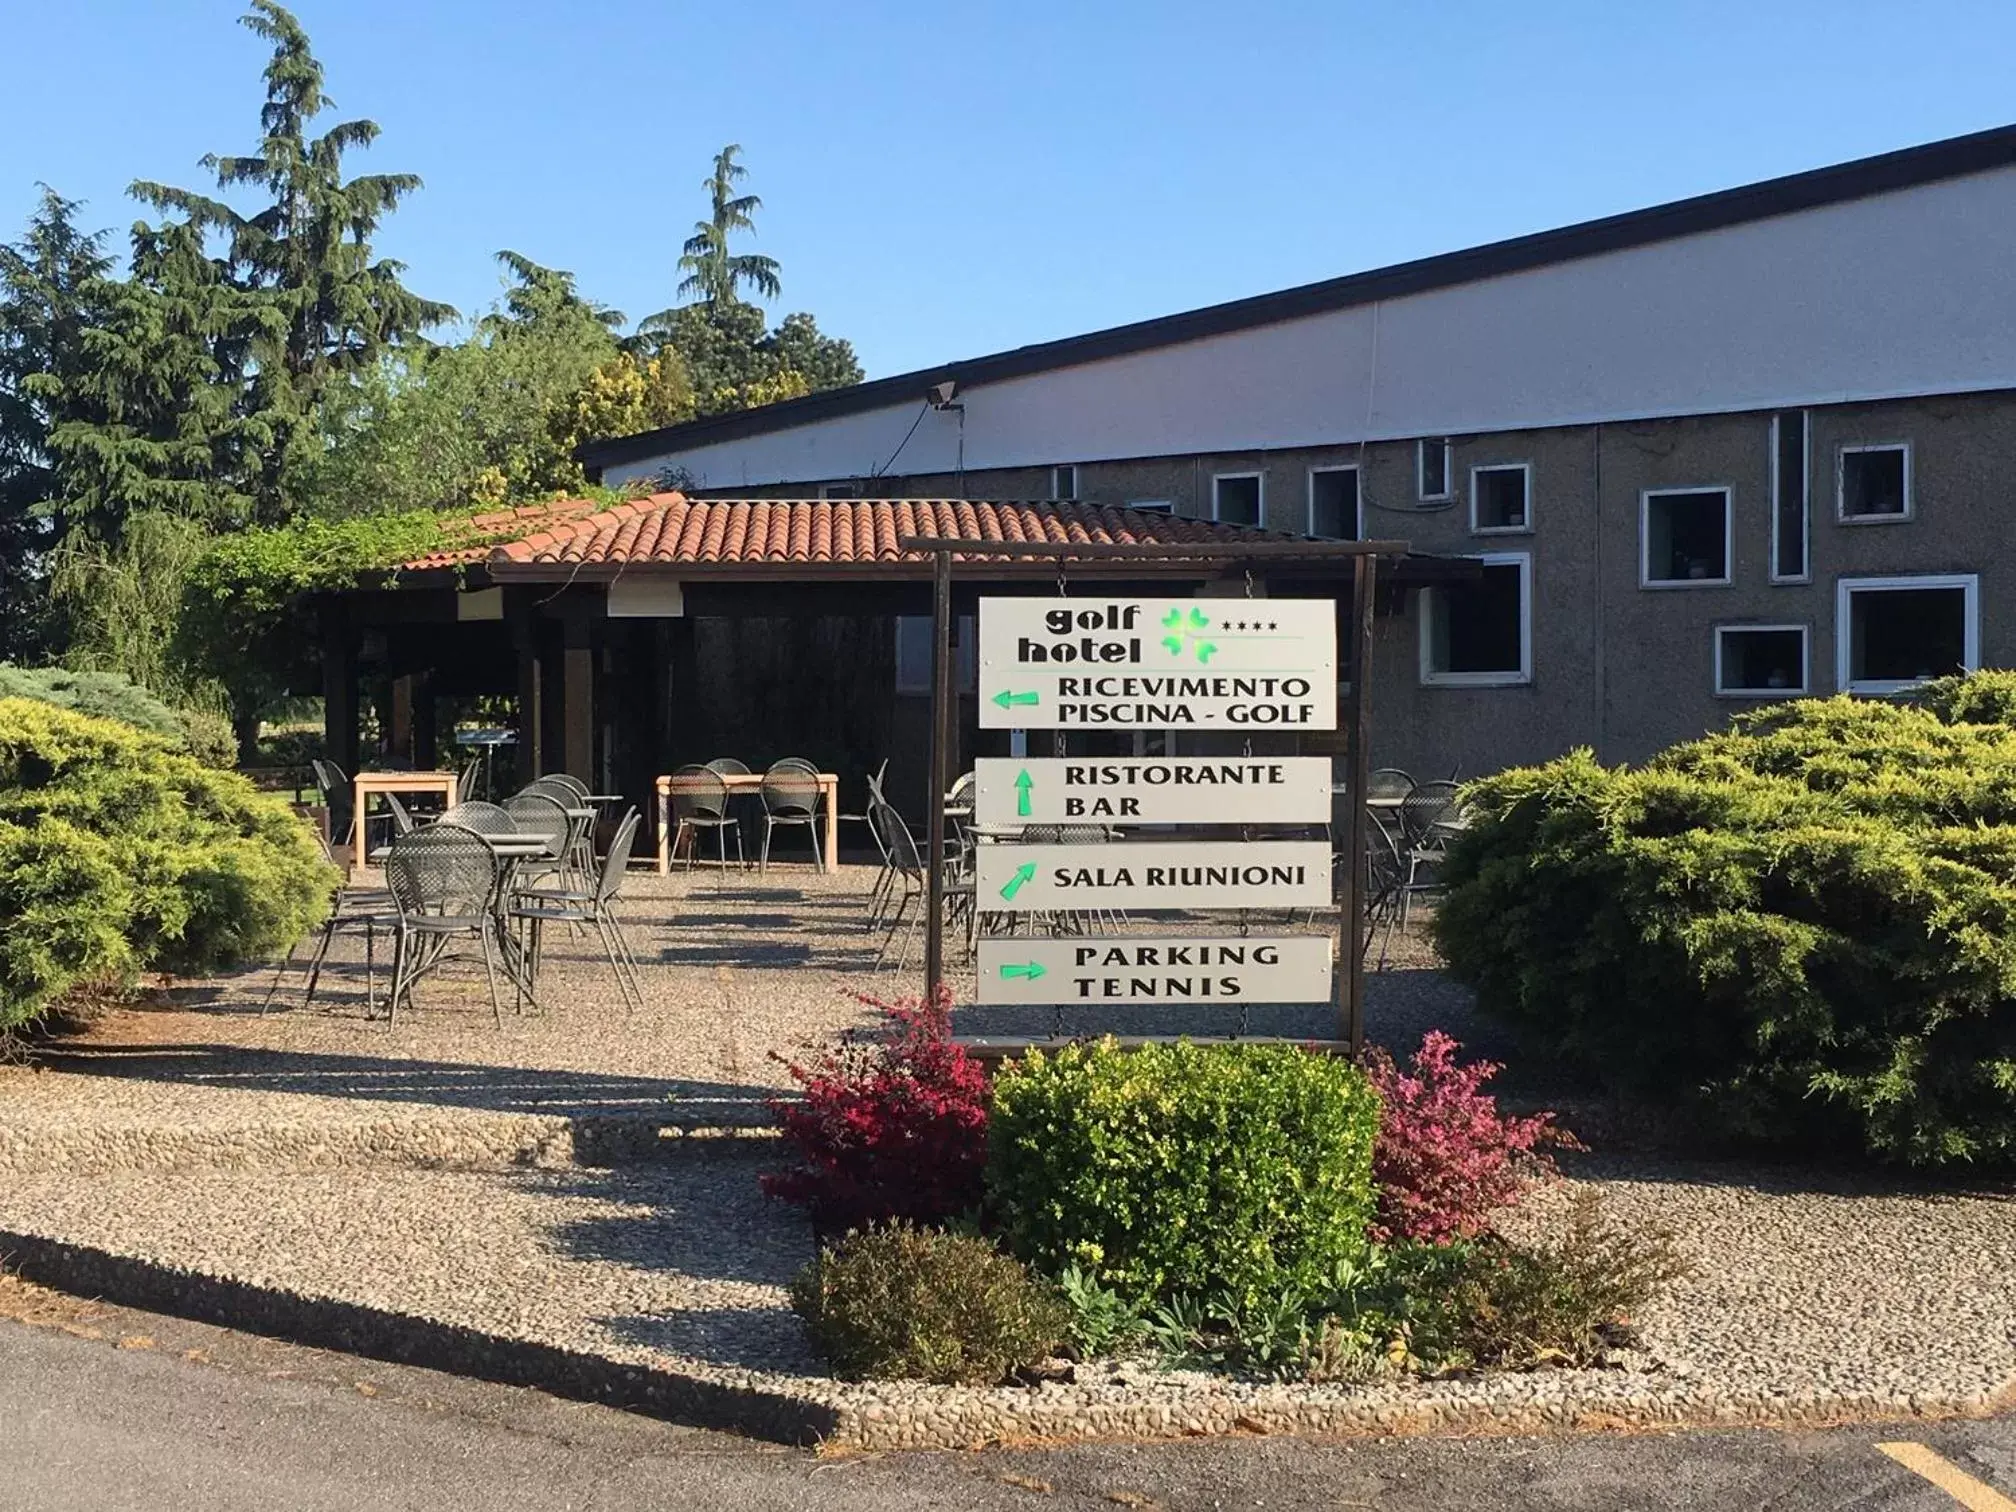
(206,736)
(904,1303)
(1100,1320)
(1565,1301)
(1234,1171)
(119,853)
(1806,923)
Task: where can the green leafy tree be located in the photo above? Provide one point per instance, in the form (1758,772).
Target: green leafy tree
(329,308)
(52,283)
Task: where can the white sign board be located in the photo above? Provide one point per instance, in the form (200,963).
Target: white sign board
(1151,874)
(1158,664)
(1152,790)
(1130,969)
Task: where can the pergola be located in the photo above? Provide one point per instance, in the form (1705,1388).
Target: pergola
(629,638)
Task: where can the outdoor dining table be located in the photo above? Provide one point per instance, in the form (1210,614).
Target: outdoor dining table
(367,783)
(749,782)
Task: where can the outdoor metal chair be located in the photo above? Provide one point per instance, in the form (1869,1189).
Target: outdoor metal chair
(1386,873)
(1428,816)
(469,784)
(338,797)
(790,797)
(907,870)
(700,803)
(544,817)
(793,764)
(482,818)
(364,909)
(874,797)
(444,883)
(591,907)
(728,766)
(571,794)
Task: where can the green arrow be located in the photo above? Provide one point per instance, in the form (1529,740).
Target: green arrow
(1031,970)
(1022,786)
(1009,700)
(1014,884)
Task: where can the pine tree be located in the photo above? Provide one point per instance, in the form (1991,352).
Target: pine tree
(52,283)
(328,310)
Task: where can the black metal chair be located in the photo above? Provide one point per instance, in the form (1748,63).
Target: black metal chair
(483,818)
(906,867)
(791,797)
(700,803)
(544,818)
(1428,816)
(364,909)
(793,764)
(591,907)
(728,766)
(444,882)
(338,797)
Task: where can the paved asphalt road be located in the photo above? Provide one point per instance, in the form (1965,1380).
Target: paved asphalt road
(108,1410)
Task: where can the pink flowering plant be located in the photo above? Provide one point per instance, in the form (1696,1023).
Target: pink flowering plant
(1446,1158)
(887,1127)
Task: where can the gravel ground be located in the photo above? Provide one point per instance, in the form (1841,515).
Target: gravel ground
(1810,1299)
(734,976)
(1806,1304)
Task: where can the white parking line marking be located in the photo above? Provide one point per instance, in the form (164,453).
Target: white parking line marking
(1974,1495)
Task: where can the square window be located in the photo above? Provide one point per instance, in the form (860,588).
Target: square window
(1431,468)
(1760,661)
(1333,503)
(1874,483)
(1498,498)
(1480,633)
(913,654)
(1235,498)
(1064,481)
(1683,537)
(1892,632)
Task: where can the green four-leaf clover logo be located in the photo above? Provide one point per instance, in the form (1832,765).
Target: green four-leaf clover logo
(1186,633)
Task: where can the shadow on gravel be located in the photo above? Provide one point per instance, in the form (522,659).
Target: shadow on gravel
(743,1338)
(448,1084)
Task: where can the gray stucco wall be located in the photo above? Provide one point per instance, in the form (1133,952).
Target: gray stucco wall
(1615,665)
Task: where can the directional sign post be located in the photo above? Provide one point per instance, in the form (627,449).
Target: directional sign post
(1142,969)
(1158,664)
(1153,875)
(1177,663)
(1151,790)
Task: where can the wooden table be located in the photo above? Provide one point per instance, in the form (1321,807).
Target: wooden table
(749,782)
(368,783)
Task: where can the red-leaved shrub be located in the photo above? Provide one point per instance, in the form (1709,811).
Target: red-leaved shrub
(1446,1157)
(891,1127)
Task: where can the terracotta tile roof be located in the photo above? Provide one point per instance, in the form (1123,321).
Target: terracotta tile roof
(486,528)
(671,530)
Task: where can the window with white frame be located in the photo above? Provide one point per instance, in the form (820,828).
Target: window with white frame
(1064,481)
(1433,474)
(1683,537)
(1333,503)
(1478,632)
(1872,484)
(1790,526)
(1892,632)
(1235,498)
(1760,661)
(1499,498)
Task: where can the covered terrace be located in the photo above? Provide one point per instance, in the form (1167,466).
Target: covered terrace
(620,642)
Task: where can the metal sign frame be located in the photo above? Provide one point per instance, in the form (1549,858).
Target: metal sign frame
(1364,558)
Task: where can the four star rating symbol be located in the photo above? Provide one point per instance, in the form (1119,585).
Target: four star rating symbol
(1250,625)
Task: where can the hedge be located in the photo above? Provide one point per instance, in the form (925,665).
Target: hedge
(1805,925)
(1230,1173)
(120,853)
(112,696)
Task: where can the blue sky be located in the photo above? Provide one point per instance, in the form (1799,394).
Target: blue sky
(942,181)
